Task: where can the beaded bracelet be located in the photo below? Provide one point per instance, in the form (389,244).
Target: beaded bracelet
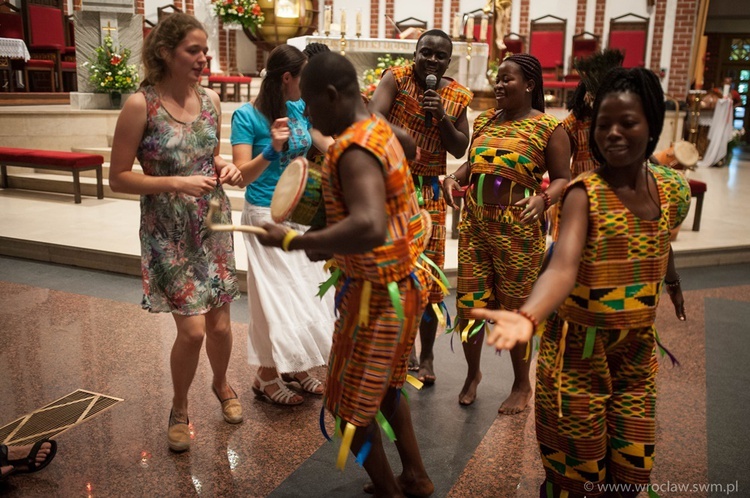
(270,154)
(673,284)
(454,178)
(290,235)
(547,200)
(529,317)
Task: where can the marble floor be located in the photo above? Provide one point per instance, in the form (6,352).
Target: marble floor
(64,328)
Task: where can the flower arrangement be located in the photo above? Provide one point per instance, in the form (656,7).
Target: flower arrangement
(244,12)
(109,70)
(371,77)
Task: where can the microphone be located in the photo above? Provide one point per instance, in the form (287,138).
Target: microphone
(430,83)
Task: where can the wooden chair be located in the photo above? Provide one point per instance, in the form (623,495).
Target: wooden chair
(547,43)
(405,27)
(147,27)
(163,12)
(629,33)
(11,26)
(45,37)
(584,44)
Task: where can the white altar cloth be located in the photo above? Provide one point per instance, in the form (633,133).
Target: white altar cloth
(364,53)
(719,134)
(14,48)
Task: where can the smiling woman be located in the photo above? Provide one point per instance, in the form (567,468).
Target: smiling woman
(172,125)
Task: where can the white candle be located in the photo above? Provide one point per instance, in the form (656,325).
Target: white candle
(359,22)
(456,27)
(327,20)
(343,22)
(483,29)
(470,29)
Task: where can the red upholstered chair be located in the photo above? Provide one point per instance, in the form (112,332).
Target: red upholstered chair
(45,37)
(514,44)
(547,43)
(11,26)
(629,33)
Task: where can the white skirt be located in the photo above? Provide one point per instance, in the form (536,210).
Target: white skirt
(290,326)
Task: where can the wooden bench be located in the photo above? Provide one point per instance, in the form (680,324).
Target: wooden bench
(223,81)
(74,162)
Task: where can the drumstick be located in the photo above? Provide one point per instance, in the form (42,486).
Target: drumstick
(213,207)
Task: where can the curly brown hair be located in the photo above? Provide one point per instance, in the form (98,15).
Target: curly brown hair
(164,38)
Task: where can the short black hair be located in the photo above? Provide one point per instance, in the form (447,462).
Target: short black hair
(330,68)
(641,82)
(436,32)
(315,49)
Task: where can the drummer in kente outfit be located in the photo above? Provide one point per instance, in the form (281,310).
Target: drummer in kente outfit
(404,97)
(377,232)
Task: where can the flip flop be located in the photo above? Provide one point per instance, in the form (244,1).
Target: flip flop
(5,463)
(30,461)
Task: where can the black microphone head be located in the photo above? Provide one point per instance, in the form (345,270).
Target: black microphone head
(430,81)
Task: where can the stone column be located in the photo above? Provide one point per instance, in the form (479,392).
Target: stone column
(96,20)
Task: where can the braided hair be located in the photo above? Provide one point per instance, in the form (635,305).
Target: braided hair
(532,70)
(315,49)
(638,81)
(577,103)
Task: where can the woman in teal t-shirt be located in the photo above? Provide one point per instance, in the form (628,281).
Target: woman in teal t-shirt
(290,327)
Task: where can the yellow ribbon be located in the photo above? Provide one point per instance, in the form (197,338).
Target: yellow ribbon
(331,263)
(364,303)
(440,283)
(414,381)
(346,445)
(439,314)
(466,330)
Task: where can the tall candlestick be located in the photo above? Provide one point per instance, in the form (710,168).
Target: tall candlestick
(483,29)
(343,22)
(456,33)
(327,20)
(358,23)
(470,29)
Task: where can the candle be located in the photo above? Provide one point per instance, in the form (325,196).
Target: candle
(359,22)
(456,33)
(327,20)
(470,29)
(483,29)
(343,22)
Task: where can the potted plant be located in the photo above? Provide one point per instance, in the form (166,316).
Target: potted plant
(109,72)
(245,13)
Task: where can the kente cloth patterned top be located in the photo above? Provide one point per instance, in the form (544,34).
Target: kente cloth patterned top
(511,149)
(397,257)
(623,264)
(407,113)
(578,131)
(187,268)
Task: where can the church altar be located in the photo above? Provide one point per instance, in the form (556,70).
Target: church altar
(468,62)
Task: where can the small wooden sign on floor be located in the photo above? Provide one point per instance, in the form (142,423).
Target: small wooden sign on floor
(56,417)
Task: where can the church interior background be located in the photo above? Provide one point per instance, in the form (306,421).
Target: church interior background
(70,318)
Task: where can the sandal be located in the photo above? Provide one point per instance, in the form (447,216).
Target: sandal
(29,465)
(230,407)
(309,384)
(282,396)
(5,463)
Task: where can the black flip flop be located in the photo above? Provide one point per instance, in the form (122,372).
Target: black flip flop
(30,461)
(5,463)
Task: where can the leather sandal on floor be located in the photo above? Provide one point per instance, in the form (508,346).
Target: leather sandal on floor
(28,464)
(230,407)
(282,396)
(178,434)
(309,384)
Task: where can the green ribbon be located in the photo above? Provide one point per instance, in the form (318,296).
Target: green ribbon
(324,286)
(440,273)
(652,493)
(526,192)
(405,394)
(420,196)
(396,299)
(588,347)
(476,328)
(337,427)
(480,190)
(386,426)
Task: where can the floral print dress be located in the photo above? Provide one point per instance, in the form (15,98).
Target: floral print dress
(187,269)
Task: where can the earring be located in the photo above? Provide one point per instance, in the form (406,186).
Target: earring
(528,90)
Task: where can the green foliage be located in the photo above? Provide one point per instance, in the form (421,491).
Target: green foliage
(109,70)
(245,12)
(371,77)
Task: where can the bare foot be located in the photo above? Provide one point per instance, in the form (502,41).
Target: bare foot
(426,372)
(517,401)
(469,392)
(413,361)
(410,487)
(5,471)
